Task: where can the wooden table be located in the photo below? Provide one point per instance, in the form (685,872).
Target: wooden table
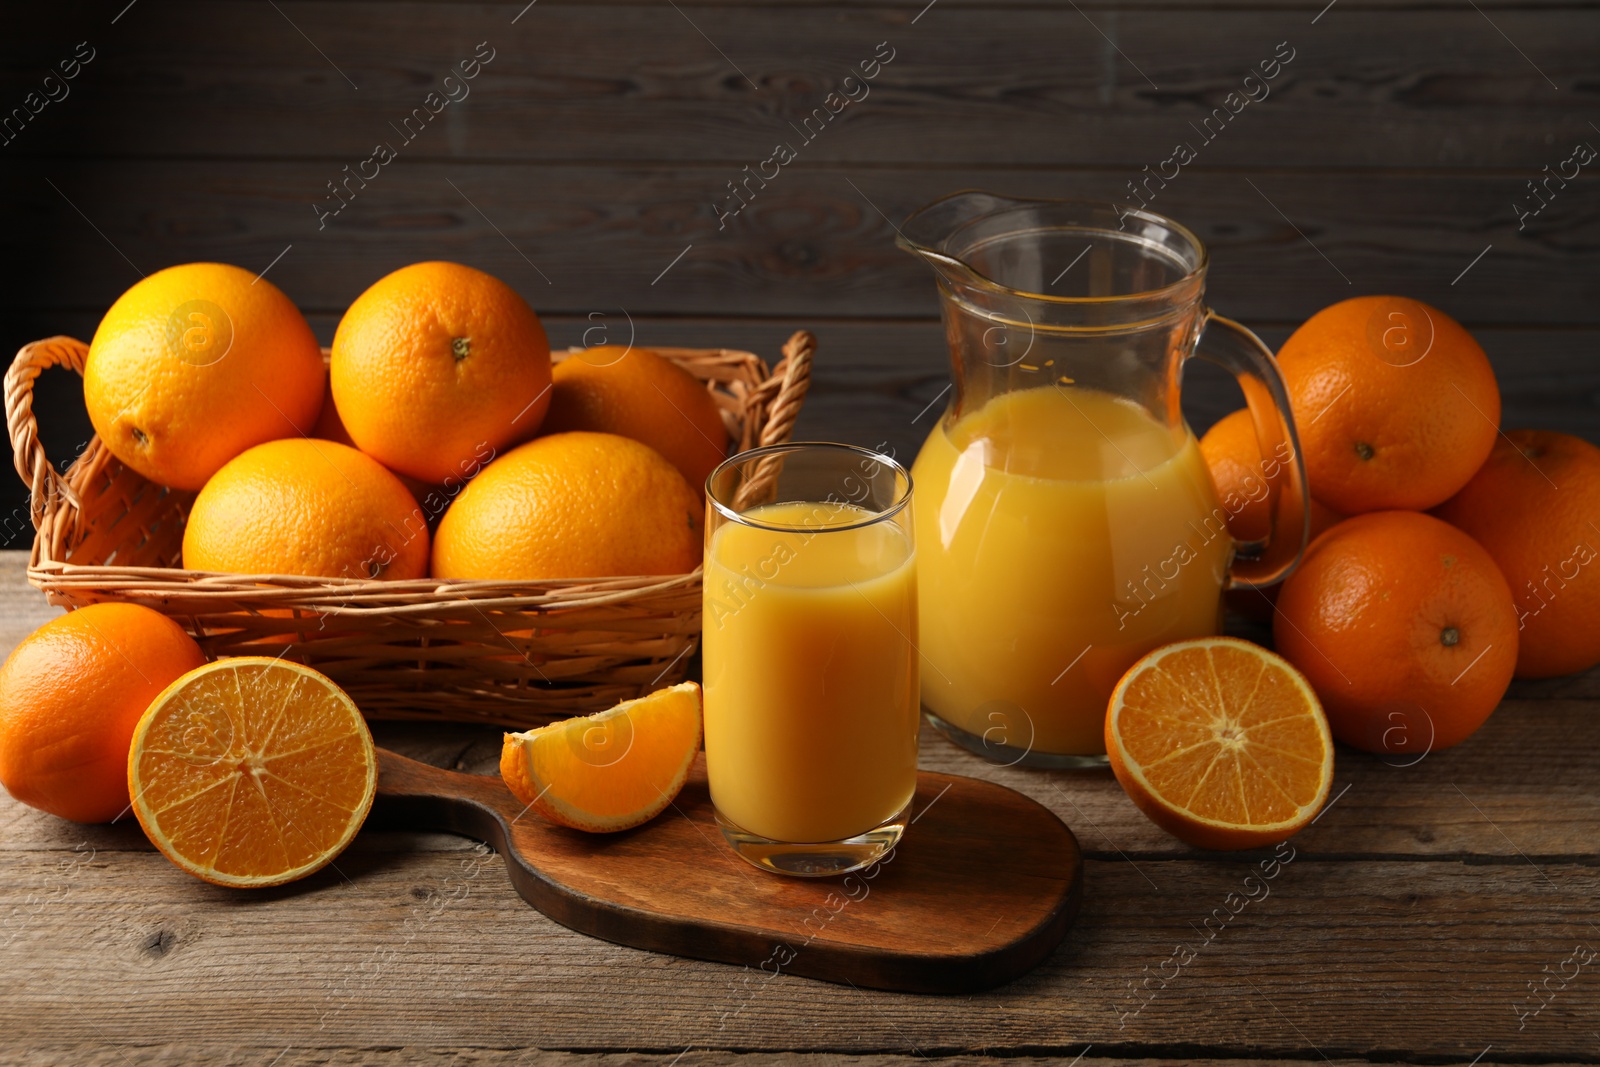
(1414,921)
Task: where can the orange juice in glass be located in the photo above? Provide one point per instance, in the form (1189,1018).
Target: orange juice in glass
(809,655)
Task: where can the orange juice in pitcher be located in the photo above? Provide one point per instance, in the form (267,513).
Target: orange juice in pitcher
(1063,561)
(1065,520)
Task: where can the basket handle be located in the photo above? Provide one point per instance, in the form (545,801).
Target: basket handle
(786,387)
(790,379)
(45,487)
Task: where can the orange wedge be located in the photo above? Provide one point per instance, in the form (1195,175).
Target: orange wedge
(252,771)
(608,771)
(1220,742)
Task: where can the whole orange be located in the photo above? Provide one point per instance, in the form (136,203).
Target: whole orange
(643,395)
(1233,456)
(1405,628)
(1535,505)
(436,363)
(306,506)
(195,364)
(572,505)
(1396,404)
(70,696)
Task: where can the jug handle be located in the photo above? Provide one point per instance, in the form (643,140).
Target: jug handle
(1240,352)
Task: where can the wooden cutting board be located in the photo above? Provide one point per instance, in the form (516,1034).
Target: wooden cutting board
(982,887)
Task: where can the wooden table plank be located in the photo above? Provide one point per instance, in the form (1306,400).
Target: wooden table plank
(1411,922)
(811,244)
(23,608)
(1019,84)
(1432,959)
(477,1056)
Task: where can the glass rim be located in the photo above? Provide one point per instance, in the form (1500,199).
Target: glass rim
(975,277)
(878,515)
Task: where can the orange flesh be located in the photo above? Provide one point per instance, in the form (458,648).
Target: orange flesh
(252,771)
(612,770)
(1225,734)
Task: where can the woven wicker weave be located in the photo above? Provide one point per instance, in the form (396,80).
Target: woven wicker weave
(510,653)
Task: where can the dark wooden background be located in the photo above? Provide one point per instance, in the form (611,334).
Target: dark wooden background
(582,168)
(592,147)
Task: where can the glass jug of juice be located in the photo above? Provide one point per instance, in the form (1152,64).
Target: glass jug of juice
(1066,523)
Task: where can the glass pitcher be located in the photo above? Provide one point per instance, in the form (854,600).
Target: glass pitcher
(1066,523)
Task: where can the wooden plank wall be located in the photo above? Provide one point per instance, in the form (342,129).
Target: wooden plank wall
(587,162)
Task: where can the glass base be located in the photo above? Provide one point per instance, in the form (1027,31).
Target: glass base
(1010,755)
(823,859)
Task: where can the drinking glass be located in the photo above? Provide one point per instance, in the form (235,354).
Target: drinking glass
(809,655)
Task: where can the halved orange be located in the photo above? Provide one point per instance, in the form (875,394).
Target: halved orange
(608,771)
(252,771)
(1220,742)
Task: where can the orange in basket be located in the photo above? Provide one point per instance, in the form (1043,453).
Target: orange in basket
(196,363)
(306,506)
(572,505)
(639,394)
(437,364)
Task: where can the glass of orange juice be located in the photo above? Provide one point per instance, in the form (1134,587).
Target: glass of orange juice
(809,655)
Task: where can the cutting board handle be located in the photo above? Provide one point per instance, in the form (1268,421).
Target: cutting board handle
(421,795)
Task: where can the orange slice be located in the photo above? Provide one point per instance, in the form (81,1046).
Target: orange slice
(1220,742)
(252,771)
(608,771)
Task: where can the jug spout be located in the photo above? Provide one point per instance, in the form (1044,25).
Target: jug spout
(1069,263)
(934,231)
(930,229)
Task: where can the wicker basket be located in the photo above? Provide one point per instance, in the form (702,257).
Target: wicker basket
(509,653)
